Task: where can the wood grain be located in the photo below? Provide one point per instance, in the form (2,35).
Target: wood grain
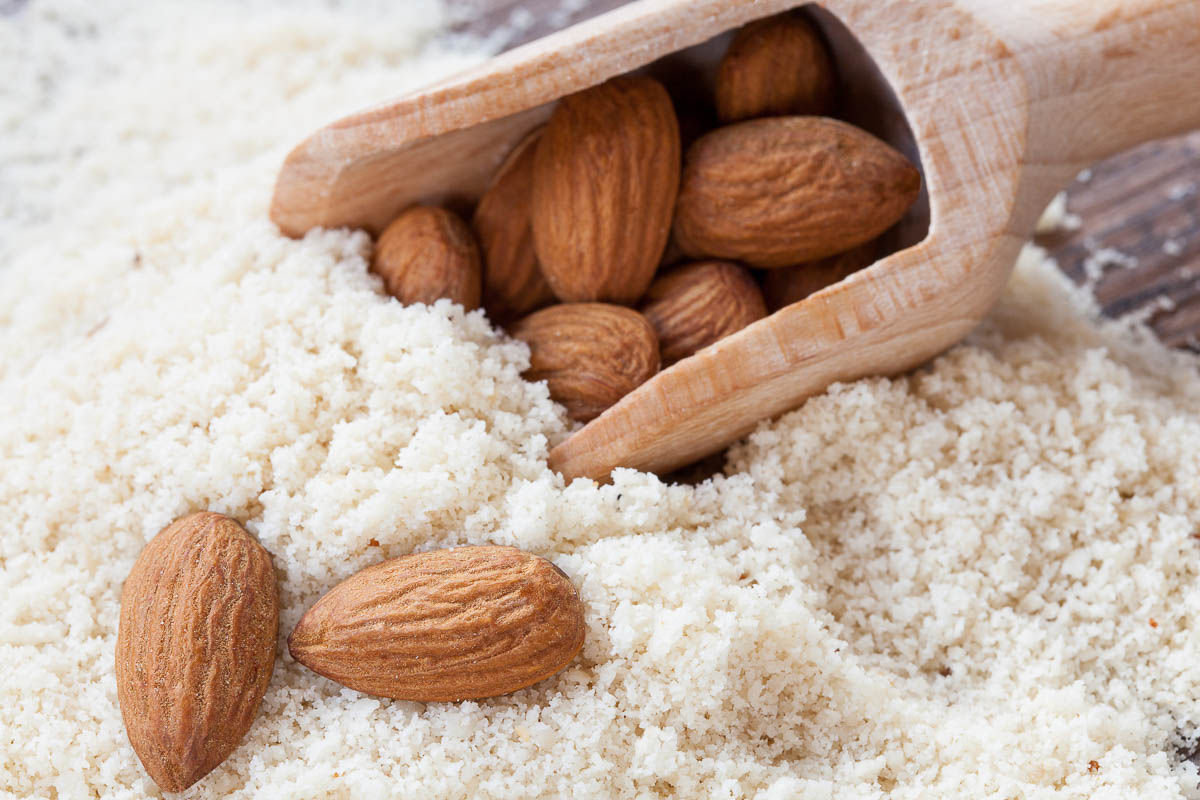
(486,17)
(1141,208)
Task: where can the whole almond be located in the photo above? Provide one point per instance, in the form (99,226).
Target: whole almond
(779,191)
(196,646)
(513,284)
(775,66)
(428,253)
(456,624)
(698,304)
(590,354)
(787,285)
(605,177)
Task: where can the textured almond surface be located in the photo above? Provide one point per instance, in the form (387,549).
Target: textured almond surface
(196,646)
(775,66)
(779,191)
(606,174)
(455,624)
(590,354)
(428,253)
(698,304)
(786,285)
(513,284)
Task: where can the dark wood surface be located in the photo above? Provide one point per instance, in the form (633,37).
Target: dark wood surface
(1143,206)
(1140,211)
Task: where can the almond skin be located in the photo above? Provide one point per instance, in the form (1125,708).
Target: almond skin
(456,624)
(784,190)
(196,646)
(773,67)
(513,284)
(428,253)
(698,304)
(787,285)
(590,354)
(605,178)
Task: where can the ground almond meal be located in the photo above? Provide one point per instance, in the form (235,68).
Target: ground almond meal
(980,580)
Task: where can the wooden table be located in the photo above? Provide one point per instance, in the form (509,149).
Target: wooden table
(1143,205)
(1140,211)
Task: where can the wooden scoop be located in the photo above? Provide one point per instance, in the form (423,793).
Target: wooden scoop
(1001,102)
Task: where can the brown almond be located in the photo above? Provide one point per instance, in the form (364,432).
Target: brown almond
(787,285)
(605,177)
(456,624)
(779,191)
(428,253)
(513,284)
(698,304)
(195,646)
(590,354)
(773,67)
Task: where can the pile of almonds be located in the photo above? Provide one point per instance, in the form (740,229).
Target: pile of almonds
(200,620)
(651,257)
(565,249)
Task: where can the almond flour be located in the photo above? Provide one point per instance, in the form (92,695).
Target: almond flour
(938,585)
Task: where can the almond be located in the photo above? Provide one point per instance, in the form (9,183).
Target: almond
(590,354)
(698,304)
(787,285)
(456,624)
(605,178)
(195,646)
(779,191)
(513,284)
(428,253)
(775,66)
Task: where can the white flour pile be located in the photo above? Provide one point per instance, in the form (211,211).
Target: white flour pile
(978,581)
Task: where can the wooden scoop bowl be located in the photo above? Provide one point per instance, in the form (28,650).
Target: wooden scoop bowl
(1000,102)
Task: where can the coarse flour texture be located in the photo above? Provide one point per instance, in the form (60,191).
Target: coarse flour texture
(978,580)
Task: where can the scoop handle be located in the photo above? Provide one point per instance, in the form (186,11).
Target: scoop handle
(1102,75)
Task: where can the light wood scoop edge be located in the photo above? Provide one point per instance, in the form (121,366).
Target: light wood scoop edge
(1007,101)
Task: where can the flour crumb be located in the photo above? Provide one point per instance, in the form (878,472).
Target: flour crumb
(1100,259)
(520,20)
(1056,218)
(1179,191)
